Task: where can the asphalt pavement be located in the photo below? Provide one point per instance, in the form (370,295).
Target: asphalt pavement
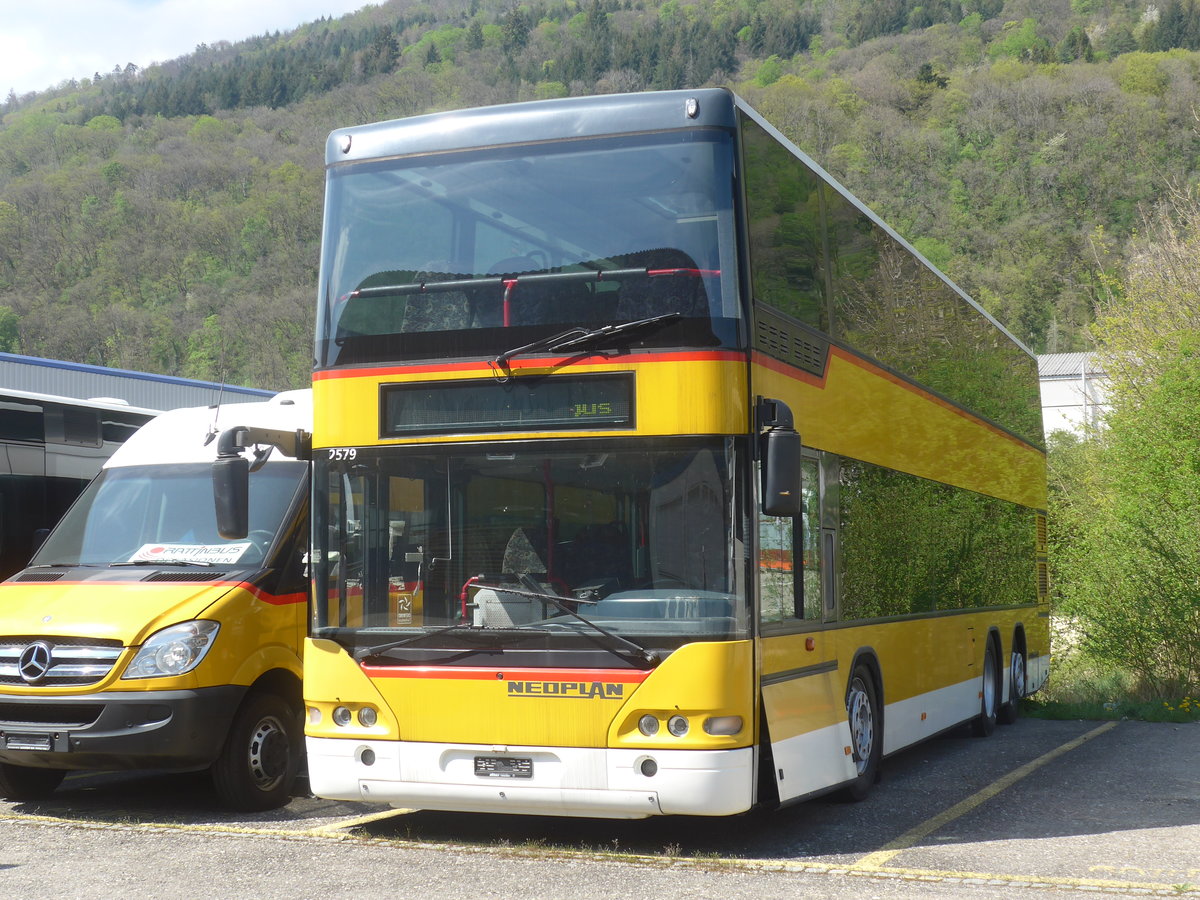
(1041,808)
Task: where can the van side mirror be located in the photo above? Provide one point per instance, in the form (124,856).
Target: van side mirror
(231,496)
(231,485)
(779,449)
(231,471)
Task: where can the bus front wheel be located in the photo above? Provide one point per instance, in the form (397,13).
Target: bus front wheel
(866,738)
(20,783)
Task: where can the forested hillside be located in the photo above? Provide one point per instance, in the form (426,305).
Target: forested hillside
(168,219)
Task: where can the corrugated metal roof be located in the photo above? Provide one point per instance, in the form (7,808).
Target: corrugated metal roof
(1068,365)
(142,389)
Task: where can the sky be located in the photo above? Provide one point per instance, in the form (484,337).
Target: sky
(45,42)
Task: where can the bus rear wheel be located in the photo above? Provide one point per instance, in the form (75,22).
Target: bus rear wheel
(866,738)
(21,783)
(1011,711)
(258,765)
(989,696)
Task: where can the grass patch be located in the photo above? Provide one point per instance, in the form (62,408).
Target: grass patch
(1081,687)
(1185,710)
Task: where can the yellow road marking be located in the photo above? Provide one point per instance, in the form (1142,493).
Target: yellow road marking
(913,836)
(360,820)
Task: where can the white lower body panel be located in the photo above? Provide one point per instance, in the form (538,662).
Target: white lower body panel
(920,717)
(812,762)
(1037,670)
(817,760)
(565,781)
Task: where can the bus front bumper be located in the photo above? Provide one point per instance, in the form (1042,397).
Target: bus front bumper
(553,781)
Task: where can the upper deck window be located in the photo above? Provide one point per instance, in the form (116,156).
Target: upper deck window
(470,253)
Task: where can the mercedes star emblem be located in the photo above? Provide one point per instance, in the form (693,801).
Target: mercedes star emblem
(34,662)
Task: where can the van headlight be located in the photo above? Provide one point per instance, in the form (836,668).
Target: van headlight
(174,650)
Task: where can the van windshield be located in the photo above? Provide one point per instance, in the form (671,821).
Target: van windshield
(164,515)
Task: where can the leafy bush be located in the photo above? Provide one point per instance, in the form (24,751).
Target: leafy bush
(1128,503)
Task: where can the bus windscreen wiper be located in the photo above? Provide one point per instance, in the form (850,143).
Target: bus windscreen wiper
(368,652)
(634,652)
(601,335)
(546,343)
(577,338)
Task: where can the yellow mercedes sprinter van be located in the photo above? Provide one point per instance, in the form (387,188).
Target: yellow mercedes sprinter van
(139,638)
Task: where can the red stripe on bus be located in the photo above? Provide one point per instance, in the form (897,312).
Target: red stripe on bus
(466,673)
(481,366)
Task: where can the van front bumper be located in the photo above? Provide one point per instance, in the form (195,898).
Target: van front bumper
(118,729)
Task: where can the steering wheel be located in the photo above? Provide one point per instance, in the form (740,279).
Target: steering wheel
(260,539)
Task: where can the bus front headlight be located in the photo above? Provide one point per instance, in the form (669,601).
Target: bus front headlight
(174,650)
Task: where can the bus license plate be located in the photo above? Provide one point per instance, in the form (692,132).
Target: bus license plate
(504,766)
(28,742)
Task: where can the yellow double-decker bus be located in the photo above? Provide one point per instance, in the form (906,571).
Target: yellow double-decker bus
(654,474)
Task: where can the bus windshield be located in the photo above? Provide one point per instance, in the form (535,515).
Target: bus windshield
(642,541)
(164,515)
(473,253)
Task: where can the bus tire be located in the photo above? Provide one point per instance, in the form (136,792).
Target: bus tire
(985,723)
(20,783)
(866,737)
(1011,711)
(261,757)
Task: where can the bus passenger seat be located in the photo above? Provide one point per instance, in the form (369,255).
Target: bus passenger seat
(521,556)
(658,295)
(436,310)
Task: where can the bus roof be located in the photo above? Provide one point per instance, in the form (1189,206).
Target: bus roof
(108,403)
(538,120)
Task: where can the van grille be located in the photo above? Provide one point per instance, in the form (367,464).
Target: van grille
(65,715)
(73,661)
(39,576)
(184,576)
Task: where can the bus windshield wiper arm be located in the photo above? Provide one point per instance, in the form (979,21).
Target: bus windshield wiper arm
(605,332)
(575,338)
(163,562)
(632,651)
(367,652)
(546,343)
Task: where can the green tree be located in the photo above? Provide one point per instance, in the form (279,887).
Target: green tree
(1129,561)
(516,29)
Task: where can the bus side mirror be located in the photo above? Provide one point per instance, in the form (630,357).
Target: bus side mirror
(231,496)
(780,451)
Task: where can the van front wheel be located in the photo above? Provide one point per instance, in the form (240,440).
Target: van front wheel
(258,765)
